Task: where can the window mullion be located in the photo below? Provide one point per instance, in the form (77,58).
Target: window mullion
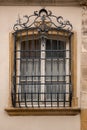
(43,47)
(18,71)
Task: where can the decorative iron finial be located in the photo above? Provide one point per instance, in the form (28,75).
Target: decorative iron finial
(43,20)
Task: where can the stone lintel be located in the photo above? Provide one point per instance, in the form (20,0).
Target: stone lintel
(40,2)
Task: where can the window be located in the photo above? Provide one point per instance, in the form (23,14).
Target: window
(42,67)
(42,70)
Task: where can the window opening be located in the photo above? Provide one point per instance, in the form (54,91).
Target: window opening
(42,63)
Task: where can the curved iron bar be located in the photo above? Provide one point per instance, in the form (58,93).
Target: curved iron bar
(24,25)
(43,21)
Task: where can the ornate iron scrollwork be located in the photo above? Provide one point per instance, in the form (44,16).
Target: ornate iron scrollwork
(43,21)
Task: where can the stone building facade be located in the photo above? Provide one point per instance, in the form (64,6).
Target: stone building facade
(61,118)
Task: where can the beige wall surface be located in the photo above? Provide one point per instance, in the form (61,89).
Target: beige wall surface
(8,17)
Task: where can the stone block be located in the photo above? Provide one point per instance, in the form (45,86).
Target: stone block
(84,44)
(84,115)
(84,85)
(84,100)
(84,57)
(83,72)
(83,119)
(84,125)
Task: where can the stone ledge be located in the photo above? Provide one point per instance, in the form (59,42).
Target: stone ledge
(42,111)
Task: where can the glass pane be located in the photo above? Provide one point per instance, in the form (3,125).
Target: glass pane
(55,49)
(61,90)
(61,70)
(48,69)
(55,90)
(30,49)
(51,47)
(55,69)
(30,55)
(36,68)
(51,91)
(30,70)
(29,92)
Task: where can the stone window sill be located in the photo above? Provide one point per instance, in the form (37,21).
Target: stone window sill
(42,111)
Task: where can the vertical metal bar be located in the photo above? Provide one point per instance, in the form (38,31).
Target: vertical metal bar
(57,70)
(64,94)
(20,70)
(25,99)
(64,76)
(70,81)
(38,97)
(25,91)
(51,71)
(27,52)
(14,92)
(39,73)
(57,98)
(27,71)
(51,96)
(31,92)
(46,74)
(32,58)
(20,42)
(19,99)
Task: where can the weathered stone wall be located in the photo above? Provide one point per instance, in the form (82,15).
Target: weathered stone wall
(84,71)
(84,60)
(84,119)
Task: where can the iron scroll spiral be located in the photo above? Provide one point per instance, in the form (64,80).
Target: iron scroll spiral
(43,20)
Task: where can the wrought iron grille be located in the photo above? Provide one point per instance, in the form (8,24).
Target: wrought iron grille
(42,62)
